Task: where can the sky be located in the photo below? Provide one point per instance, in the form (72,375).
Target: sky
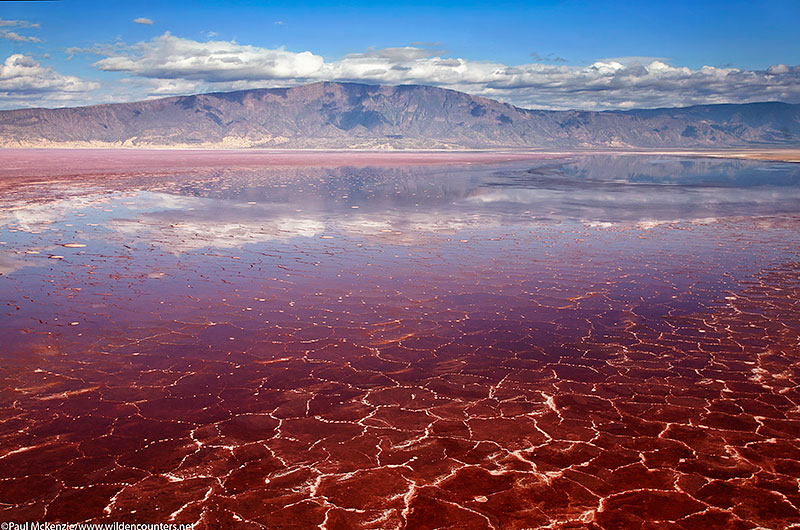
(592,55)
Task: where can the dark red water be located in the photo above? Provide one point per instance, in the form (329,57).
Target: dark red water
(596,342)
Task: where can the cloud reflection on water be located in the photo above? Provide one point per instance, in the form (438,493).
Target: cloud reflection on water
(411,205)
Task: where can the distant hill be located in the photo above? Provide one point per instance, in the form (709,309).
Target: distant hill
(351,115)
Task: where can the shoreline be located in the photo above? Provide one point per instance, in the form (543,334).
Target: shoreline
(789,153)
(25,162)
(22,163)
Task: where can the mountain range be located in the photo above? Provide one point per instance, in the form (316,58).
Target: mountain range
(357,116)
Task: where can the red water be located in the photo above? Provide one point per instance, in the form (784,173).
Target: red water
(509,375)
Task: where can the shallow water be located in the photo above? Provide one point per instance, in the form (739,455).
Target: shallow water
(587,341)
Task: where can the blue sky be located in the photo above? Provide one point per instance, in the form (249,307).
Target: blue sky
(593,55)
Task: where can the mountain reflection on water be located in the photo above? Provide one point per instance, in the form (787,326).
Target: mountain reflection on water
(228,208)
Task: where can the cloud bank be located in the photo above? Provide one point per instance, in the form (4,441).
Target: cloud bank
(171,65)
(605,84)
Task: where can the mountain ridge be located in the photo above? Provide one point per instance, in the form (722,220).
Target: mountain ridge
(330,115)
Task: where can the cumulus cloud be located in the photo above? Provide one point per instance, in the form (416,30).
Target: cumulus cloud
(10,35)
(778,69)
(143,20)
(23,79)
(170,57)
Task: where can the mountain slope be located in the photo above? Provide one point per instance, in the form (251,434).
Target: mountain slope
(350,115)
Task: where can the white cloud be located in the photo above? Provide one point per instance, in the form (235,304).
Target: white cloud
(776,69)
(143,20)
(170,57)
(23,79)
(10,35)
(18,23)
(14,36)
(156,88)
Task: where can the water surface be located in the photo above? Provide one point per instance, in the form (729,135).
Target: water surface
(580,342)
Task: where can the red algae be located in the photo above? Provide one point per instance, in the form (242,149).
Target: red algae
(488,368)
